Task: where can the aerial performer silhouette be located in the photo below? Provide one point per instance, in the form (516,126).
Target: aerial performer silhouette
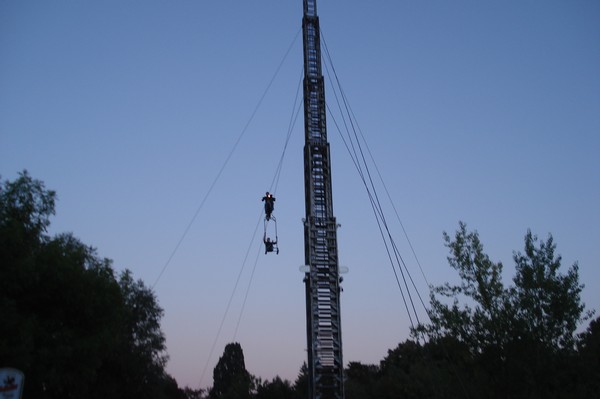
(270,245)
(269,204)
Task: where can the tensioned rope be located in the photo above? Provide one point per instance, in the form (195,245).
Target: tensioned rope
(227,159)
(214,344)
(354,147)
(389,196)
(378,218)
(374,199)
(272,188)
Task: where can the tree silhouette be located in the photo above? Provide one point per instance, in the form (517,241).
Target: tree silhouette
(230,378)
(72,326)
(521,337)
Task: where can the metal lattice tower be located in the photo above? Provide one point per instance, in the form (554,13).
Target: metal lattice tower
(322,282)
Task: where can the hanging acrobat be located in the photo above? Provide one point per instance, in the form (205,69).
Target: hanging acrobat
(270,245)
(269,204)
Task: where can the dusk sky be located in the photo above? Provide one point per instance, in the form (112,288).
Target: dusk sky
(486,112)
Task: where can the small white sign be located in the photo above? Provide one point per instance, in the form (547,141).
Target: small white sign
(11,383)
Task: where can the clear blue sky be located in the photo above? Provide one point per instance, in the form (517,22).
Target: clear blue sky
(480,111)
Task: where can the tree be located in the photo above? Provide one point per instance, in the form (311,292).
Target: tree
(360,380)
(145,342)
(63,310)
(588,362)
(230,378)
(193,393)
(301,383)
(137,363)
(73,328)
(548,304)
(522,336)
(274,389)
(25,210)
(481,284)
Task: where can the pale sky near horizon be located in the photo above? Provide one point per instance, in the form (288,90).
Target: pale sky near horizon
(480,111)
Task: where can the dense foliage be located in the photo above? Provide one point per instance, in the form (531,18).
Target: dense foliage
(230,377)
(488,340)
(75,327)
(232,380)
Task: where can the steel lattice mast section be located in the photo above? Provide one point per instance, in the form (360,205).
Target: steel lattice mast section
(322,283)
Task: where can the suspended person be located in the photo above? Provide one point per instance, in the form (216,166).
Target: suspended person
(269,245)
(269,204)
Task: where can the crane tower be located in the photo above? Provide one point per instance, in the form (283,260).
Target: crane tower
(321,279)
